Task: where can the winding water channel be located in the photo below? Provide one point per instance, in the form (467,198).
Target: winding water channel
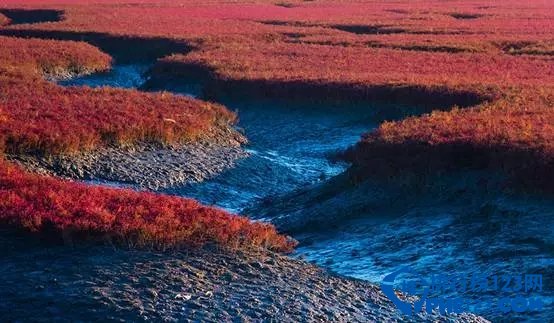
(459,231)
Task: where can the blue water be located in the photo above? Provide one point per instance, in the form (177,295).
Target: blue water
(289,148)
(123,76)
(507,236)
(465,234)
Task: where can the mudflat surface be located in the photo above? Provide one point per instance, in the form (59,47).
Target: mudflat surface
(146,166)
(65,283)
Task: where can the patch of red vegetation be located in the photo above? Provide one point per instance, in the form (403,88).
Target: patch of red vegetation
(527,112)
(284,62)
(71,211)
(192,19)
(45,118)
(34,58)
(501,52)
(514,133)
(37,116)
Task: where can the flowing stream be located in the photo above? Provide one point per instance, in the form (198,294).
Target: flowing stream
(290,143)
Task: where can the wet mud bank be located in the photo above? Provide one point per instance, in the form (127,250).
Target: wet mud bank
(347,197)
(145,165)
(371,227)
(99,283)
(208,284)
(290,145)
(525,170)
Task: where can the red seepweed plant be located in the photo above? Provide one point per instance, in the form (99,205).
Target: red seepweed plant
(62,209)
(39,117)
(45,118)
(399,50)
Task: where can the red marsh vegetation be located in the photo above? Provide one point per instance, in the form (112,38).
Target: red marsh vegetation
(60,209)
(39,117)
(495,57)
(514,133)
(45,118)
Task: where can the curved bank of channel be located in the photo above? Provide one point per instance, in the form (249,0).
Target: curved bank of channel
(461,235)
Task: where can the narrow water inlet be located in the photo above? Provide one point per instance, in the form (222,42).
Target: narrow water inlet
(31,16)
(289,142)
(453,230)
